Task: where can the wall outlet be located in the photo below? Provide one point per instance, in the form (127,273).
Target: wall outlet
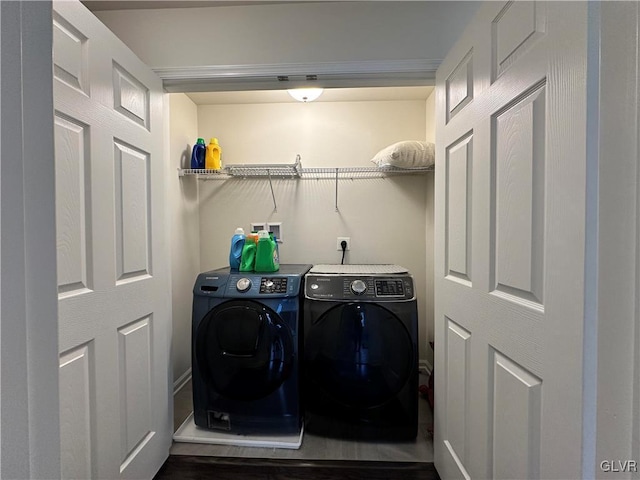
(339,241)
(257,226)
(276,229)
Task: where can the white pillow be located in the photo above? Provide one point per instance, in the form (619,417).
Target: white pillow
(407,154)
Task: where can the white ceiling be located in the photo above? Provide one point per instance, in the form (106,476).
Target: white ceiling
(329,95)
(101,5)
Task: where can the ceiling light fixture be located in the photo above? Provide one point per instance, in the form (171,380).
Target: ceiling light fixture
(305,94)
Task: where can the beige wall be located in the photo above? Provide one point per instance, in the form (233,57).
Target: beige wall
(184,228)
(325,134)
(385,218)
(430,110)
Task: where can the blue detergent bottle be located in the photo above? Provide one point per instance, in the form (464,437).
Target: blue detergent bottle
(237,244)
(198,153)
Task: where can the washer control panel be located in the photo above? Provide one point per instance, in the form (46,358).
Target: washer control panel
(230,283)
(260,285)
(253,285)
(364,288)
(273,285)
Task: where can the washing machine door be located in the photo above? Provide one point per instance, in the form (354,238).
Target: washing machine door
(359,354)
(244,350)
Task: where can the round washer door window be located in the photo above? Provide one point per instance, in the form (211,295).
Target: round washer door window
(244,350)
(360,354)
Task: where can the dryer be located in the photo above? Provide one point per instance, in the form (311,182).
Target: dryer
(245,350)
(361,352)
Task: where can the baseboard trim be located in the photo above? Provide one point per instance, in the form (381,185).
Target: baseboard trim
(425,367)
(181,381)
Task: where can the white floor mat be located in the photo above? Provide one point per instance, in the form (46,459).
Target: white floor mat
(190,433)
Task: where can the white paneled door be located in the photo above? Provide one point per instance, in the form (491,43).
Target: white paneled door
(510,248)
(113,278)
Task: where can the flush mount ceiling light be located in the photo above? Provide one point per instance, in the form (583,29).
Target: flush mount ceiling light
(305,94)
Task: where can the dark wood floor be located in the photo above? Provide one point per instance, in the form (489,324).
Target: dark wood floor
(197,467)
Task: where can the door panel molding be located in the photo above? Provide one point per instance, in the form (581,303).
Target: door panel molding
(459,86)
(518,158)
(458,210)
(457,380)
(77,412)
(516,397)
(516,28)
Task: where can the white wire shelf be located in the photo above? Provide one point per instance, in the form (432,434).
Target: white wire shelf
(295,171)
(290,171)
(352,173)
(248,170)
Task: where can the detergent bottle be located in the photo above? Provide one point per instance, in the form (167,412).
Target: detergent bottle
(212,159)
(237,244)
(266,253)
(197,154)
(277,254)
(248,259)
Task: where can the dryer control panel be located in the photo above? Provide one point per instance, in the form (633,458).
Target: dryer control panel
(364,288)
(389,288)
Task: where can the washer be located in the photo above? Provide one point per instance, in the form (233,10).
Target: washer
(361,352)
(245,346)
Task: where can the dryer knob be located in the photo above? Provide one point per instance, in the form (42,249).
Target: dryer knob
(243,284)
(358,287)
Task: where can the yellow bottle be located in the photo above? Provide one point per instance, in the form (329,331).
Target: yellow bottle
(212,155)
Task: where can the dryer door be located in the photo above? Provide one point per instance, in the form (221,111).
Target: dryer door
(360,354)
(244,350)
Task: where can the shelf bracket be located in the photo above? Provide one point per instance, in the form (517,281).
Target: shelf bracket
(275,205)
(337,170)
(297,166)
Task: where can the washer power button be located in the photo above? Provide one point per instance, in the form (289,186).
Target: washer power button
(243,284)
